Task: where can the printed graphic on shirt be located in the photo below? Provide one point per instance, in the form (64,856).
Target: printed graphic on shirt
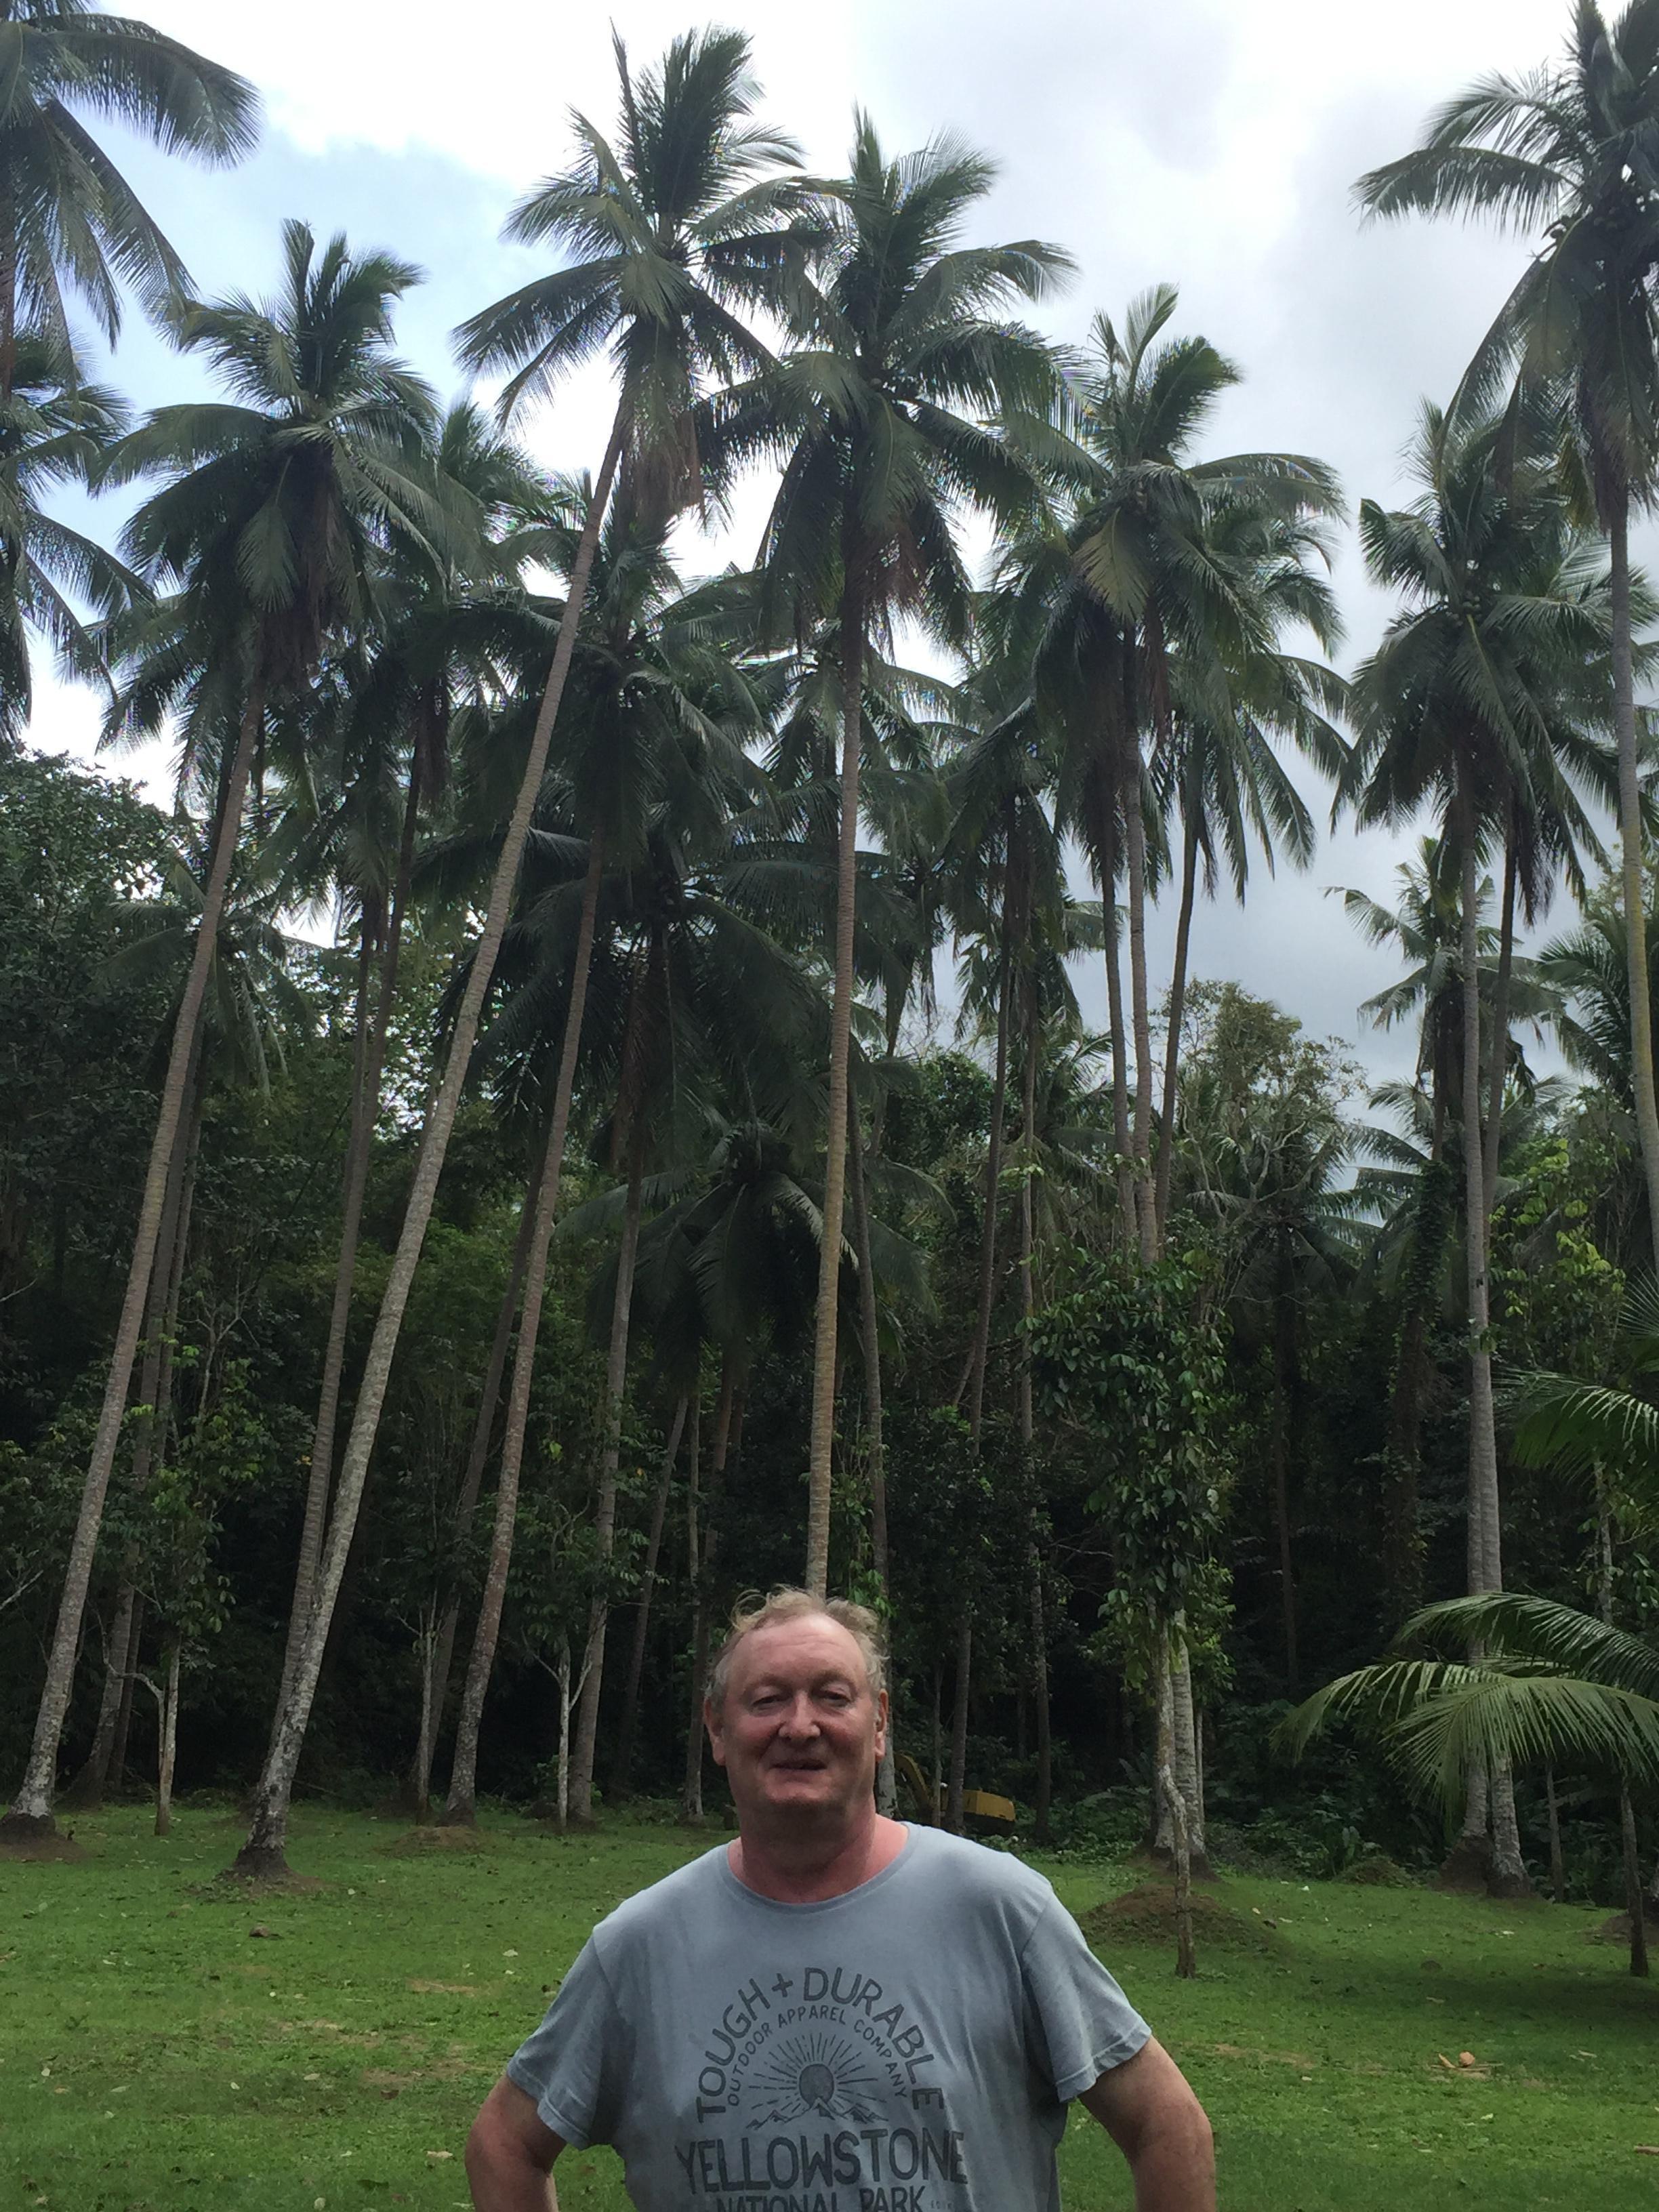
(819,2093)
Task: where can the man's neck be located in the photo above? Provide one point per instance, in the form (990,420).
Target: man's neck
(796,1865)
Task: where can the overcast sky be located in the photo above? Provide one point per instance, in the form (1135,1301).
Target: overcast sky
(1209,142)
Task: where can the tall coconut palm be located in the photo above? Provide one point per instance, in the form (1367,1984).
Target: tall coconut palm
(68,219)
(268,520)
(1571,151)
(1470,686)
(882,414)
(677,233)
(1140,551)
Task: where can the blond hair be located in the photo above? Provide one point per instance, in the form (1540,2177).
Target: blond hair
(752,1612)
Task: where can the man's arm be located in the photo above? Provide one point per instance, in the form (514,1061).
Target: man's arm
(510,2154)
(1152,2116)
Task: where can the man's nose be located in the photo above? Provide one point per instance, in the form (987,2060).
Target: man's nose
(800,1719)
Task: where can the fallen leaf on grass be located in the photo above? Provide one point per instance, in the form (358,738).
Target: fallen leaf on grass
(1646,2150)
(1445,2062)
(1466,2058)
(440,2154)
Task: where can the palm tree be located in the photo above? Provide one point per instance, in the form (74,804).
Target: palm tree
(1573,149)
(1471,686)
(54,429)
(268,522)
(677,232)
(1140,551)
(68,216)
(882,414)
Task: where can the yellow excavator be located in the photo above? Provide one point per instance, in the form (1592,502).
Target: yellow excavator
(982,1809)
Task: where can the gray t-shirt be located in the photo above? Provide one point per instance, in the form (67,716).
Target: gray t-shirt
(909,2046)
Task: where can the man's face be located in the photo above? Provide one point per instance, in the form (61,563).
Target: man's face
(800,1731)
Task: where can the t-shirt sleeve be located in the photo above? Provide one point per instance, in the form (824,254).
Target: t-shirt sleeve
(575,2062)
(1080,2025)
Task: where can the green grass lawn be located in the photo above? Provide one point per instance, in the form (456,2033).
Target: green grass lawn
(156,2056)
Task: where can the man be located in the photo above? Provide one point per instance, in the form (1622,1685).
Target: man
(835,2013)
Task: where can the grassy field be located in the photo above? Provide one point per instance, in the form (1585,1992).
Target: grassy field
(157,2056)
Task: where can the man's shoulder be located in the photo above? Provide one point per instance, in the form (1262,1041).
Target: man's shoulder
(975,1871)
(668,1899)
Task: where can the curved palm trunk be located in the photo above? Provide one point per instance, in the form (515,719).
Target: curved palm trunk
(1177,1006)
(1630,870)
(369,1063)
(1508,1874)
(460,1809)
(979,1349)
(264,1852)
(834,1165)
(31,1809)
(605,1517)
(622,1772)
(86,1792)
(466,1504)
(875,1464)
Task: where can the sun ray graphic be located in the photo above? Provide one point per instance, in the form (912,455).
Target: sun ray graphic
(815,2073)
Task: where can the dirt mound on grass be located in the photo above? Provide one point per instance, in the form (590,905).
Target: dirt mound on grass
(419,1843)
(1146,1915)
(1616,1930)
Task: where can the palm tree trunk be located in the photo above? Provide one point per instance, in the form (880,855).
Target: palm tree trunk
(167,1730)
(875,1464)
(1044,1792)
(1121,1140)
(835,1165)
(1635,1903)
(1136,838)
(1497,1075)
(263,1852)
(459,1809)
(980,1346)
(117,1760)
(1177,1004)
(1633,873)
(953,1812)
(466,1503)
(622,1769)
(1509,1874)
(691,1788)
(605,1517)
(30,1814)
(369,1065)
(86,1792)
(1283,1356)
(1558,1857)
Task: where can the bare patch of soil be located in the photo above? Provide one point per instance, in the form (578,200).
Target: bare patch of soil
(43,1850)
(420,1841)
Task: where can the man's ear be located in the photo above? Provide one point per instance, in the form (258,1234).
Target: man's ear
(711,1721)
(881,1725)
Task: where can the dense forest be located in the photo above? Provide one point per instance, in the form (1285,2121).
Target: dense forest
(581,1108)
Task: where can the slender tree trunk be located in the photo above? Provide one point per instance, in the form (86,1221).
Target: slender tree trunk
(835,1165)
(1631,870)
(1177,1006)
(1028,1427)
(167,1729)
(1186,1961)
(1498,1072)
(1123,1141)
(31,1809)
(472,1479)
(1635,1903)
(263,1852)
(460,1809)
(1284,1323)
(875,1463)
(1508,1874)
(368,1065)
(953,1812)
(622,1772)
(426,1649)
(1558,1858)
(117,1760)
(1145,1214)
(691,1788)
(86,1792)
(604,1518)
(1188,1770)
(980,1346)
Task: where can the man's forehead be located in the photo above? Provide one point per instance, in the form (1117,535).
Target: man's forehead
(813,1645)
